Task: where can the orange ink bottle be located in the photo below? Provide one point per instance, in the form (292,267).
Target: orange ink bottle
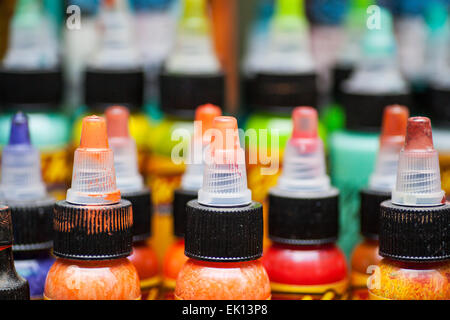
(93,228)
(414,226)
(224,228)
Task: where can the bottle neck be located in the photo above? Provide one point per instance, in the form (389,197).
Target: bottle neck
(303,247)
(6,258)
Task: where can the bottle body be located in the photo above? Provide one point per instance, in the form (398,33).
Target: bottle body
(306,272)
(395,280)
(92,280)
(200,280)
(352,159)
(34,267)
(172,265)
(12,286)
(364,258)
(145,261)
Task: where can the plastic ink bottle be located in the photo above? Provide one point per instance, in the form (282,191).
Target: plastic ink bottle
(381,183)
(12,285)
(93,228)
(303,261)
(285,77)
(224,228)
(132,188)
(115,75)
(31,81)
(414,237)
(191,183)
(193,71)
(374,84)
(22,189)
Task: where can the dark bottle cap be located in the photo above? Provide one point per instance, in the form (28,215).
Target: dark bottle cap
(415,233)
(304,221)
(340,74)
(12,286)
(30,89)
(104,88)
(370,211)
(92,232)
(364,111)
(180,200)
(6,231)
(439,101)
(224,234)
(32,225)
(181,94)
(142,214)
(281,93)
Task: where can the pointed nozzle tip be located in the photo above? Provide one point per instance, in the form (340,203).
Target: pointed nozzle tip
(20,133)
(395,119)
(117,118)
(419,135)
(305,122)
(94,133)
(225,136)
(206,115)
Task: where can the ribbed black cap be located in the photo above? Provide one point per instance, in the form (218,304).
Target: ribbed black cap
(340,74)
(142,213)
(181,94)
(439,101)
(415,233)
(281,93)
(180,200)
(6,230)
(34,89)
(364,111)
(104,88)
(370,211)
(92,232)
(12,286)
(304,221)
(224,234)
(32,224)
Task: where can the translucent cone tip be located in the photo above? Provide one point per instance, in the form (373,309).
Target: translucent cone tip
(225,135)
(418,176)
(20,133)
(305,122)
(93,133)
(395,119)
(117,118)
(206,114)
(419,136)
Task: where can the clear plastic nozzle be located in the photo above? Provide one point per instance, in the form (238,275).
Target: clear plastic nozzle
(118,47)
(124,148)
(392,140)
(225,177)
(194,50)
(204,117)
(33,39)
(93,177)
(288,49)
(304,159)
(418,175)
(21,165)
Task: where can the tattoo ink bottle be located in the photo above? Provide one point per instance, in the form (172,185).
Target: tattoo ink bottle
(191,183)
(93,228)
(380,186)
(12,286)
(304,262)
(414,225)
(131,186)
(224,228)
(24,192)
